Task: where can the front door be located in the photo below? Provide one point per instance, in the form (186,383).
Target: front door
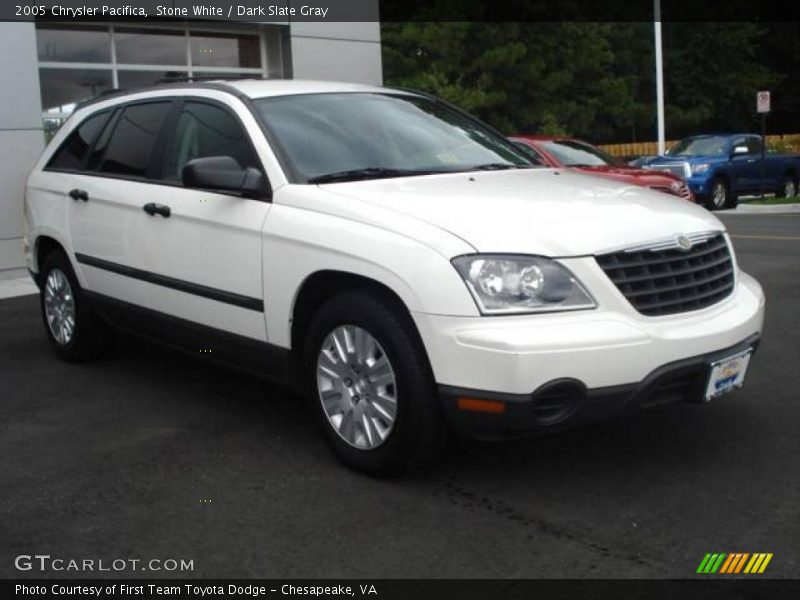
(200,251)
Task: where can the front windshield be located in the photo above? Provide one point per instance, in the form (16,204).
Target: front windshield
(380,135)
(577,154)
(702,146)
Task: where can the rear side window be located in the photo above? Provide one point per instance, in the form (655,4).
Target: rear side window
(96,153)
(206,130)
(134,138)
(71,153)
(753,145)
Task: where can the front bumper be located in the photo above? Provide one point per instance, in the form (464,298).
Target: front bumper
(604,359)
(700,186)
(567,402)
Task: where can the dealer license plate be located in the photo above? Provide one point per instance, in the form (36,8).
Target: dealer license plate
(727,374)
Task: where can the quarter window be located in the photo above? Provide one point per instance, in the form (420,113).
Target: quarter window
(134,138)
(754,145)
(70,155)
(206,130)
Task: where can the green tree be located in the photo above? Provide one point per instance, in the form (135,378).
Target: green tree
(463,63)
(712,74)
(780,49)
(517,76)
(595,80)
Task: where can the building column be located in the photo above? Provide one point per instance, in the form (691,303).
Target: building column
(337,51)
(21,135)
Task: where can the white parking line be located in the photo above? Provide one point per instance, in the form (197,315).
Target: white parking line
(793,238)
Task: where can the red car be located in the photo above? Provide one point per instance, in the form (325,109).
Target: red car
(562,152)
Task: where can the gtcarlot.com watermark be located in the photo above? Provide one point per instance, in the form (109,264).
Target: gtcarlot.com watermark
(50,564)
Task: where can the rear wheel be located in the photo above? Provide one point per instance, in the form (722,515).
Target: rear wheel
(74,329)
(370,384)
(789,187)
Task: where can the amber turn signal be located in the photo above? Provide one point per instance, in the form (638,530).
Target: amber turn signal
(487,406)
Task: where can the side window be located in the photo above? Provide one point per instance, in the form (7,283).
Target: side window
(738,142)
(101,144)
(206,130)
(530,153)
(134,138)
(754,145)
(70,154)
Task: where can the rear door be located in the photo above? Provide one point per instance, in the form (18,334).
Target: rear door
(757,173)
(105,214)
(767,171)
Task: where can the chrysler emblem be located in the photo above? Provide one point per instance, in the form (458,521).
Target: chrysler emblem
(684,243)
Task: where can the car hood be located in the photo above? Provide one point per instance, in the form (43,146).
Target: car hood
(690,158)
(631,174)
(550,212)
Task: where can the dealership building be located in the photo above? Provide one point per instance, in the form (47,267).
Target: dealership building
(46,68)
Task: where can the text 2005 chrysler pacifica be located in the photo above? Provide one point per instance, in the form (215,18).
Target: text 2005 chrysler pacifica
(396,259)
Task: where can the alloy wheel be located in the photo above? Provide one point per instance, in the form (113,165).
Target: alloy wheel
(59,306)
(789,189)
(719,194)
(357,387)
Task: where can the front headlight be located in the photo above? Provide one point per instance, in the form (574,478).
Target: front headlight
(503,284)
(699,168)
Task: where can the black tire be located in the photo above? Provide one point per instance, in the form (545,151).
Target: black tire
(719,196)
(788,187)
(90,336)
(418,429)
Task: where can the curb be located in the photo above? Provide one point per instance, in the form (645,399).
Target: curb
(765,209)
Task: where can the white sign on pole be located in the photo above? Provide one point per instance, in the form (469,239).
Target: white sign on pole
(762,102)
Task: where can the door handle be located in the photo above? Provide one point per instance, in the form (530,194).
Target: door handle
(77,194)
(151,208)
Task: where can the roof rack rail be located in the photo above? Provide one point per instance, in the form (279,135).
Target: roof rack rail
(180,81)
(194,78)
(411,90)
(100,96)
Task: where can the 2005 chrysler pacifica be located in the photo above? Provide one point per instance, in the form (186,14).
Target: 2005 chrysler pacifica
(393,257)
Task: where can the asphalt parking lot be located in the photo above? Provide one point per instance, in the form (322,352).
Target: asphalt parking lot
(152,454)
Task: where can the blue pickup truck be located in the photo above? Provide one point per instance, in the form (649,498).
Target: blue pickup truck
(721,167)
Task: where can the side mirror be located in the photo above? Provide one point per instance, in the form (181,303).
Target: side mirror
(740,150)
(223,173)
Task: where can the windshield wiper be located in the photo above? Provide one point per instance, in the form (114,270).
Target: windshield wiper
(498,167)
(368,173)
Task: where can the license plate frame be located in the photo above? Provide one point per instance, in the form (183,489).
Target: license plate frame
(727,374)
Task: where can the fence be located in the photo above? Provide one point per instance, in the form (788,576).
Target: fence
(789,142)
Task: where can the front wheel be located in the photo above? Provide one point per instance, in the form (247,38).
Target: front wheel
(720,196)
(370,384)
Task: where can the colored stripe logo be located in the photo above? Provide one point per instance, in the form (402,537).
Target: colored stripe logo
(734,563)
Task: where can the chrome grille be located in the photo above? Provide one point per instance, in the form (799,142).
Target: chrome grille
(682,191)
(680,169)
(663,281)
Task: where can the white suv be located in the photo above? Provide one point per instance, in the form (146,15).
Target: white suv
(396,259)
